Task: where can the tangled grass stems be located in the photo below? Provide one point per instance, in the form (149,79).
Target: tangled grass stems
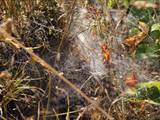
(69,17)
(7,38)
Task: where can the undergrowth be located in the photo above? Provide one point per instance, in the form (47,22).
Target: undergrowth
(41,44)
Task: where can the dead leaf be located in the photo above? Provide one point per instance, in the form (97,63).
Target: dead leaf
(134,41)
(131,80)
(106,53)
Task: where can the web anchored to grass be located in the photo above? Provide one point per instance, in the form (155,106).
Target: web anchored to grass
(7,38)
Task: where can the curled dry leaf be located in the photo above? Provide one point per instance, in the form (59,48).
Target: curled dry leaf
(106,53)
(133,41)
(131,80)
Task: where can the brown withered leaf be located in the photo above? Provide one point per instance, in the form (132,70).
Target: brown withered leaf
(106,53)
(131,80)
(134,41)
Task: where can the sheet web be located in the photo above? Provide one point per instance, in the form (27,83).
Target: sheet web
(89,46)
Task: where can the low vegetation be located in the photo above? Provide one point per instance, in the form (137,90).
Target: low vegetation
(79,59)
